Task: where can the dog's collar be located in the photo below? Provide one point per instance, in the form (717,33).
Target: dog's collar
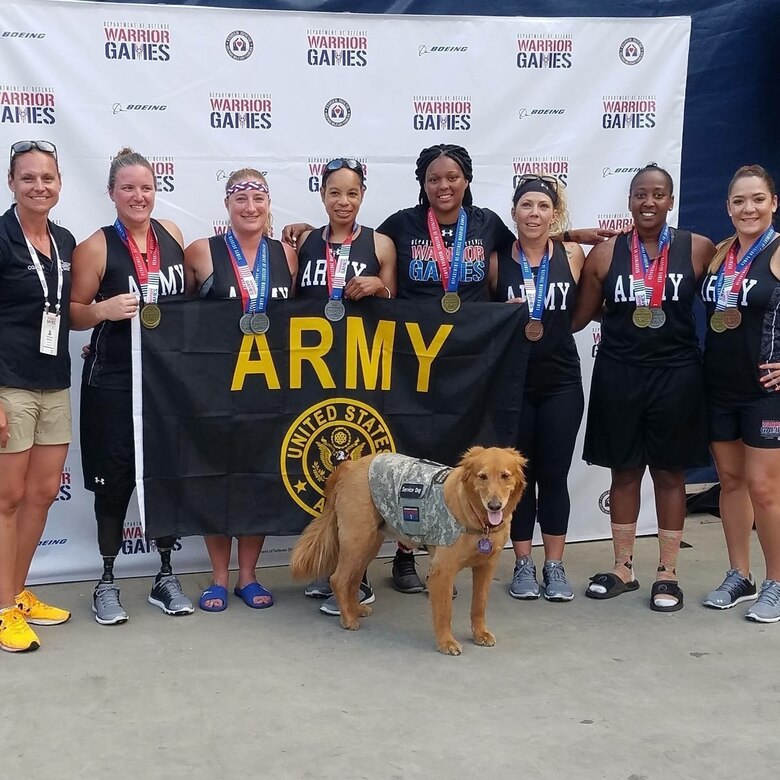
(485,529)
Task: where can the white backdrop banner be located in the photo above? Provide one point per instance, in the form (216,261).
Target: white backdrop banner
(202,92)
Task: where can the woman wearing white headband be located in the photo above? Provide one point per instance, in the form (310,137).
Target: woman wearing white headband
(240,264)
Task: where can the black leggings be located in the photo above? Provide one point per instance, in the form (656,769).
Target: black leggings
(548,431)
(110,512)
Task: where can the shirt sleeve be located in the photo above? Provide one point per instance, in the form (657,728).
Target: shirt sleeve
(502,236)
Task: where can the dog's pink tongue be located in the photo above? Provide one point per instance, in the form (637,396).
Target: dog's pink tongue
(494,517)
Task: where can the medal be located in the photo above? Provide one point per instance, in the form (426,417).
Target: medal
(259,323)
(245,324)
(657,317)
(717,322)
(534,330)
(732,318)
(642,316)
(450,302)
(334,310)
(150,315)
(485,546)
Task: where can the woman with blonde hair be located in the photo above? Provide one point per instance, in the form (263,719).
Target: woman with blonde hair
(248,265)
(742,369)
(542,274)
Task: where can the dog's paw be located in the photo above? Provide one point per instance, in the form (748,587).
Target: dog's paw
(484,638)
(364,610)
(450,647)
(350,625)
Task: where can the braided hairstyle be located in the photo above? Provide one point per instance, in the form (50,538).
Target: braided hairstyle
(454,152)
(652,168)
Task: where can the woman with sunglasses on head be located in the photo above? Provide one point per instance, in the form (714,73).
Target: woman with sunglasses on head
(241,264)
(120,272)
(343,260)
(741,292)
(542,275)
(35,420)
(646,405)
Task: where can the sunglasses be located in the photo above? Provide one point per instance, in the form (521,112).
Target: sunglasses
(550,181)
(345,162)
(20,147)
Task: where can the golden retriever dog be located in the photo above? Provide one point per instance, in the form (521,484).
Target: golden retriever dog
(478,497)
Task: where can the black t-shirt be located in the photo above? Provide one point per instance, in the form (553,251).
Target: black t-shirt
(312,267)
(553,363)
(223,282)
(22,365)
(109,363)
(673,344)
(418,273)
(732,358)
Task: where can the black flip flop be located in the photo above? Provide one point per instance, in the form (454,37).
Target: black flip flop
(666,588)
(612,583)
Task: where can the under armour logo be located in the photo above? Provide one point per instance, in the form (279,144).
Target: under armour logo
(449,233)
(100,481)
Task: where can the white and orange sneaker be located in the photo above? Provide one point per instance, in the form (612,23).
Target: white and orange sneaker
(15,635)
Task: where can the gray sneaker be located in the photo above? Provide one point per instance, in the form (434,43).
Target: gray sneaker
(106,605)
(735,589)
(319,589)
(556,586)
(169,597)
(767,608)
(366,594)
(524,584)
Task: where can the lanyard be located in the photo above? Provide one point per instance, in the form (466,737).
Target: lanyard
(450,271)
(535,294)
(254,286)
(39,268)
(147,271)
(732,273)
(647,274)
(337,269)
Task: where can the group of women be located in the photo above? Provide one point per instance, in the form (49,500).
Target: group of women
(646,407)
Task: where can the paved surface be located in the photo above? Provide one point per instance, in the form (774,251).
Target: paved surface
(581,690)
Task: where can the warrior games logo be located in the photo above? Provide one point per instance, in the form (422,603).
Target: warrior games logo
(317,168)
(27,105)
(66,486)
(549,51)
(164,170)
(621,112)
(337,112)
(442,112)
(240,110)
(137,41)
(631,51)
(614,221)
(135,542)
(239,45)
(322,437)
(551,165)
(337,48)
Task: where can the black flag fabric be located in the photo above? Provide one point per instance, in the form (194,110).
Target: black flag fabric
(236,434)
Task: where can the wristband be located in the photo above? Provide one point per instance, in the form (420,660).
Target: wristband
(566,235)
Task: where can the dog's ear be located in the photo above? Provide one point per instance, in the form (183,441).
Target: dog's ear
(467,462)
(519,464)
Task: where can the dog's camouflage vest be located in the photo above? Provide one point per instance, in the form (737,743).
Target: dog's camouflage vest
(409,494)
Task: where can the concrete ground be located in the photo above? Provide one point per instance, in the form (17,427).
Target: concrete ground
(582,690)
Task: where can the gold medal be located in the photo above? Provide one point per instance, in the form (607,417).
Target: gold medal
(450,302)
(150,315)
(717,322)
(642,316)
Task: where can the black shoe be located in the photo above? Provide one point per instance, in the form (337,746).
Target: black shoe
(405,577)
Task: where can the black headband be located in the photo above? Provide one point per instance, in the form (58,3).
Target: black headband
(536,185)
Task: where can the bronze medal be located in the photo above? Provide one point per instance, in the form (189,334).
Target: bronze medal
(450,302)
(245,324)
(534,330)
(732,318)
(642,316)
(717,322)
(150,315)
(259,323)
(657,317)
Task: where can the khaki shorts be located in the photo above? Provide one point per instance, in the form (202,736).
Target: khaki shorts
(36,417)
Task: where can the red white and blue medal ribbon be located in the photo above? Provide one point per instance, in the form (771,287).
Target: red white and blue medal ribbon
(336,264)
(253,285)
(649,275)
(147,271)
(449,269)
(732,274)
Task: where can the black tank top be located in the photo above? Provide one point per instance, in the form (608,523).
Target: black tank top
(312,280)
(109,363)
(731,359)
(674,344)
(223,282)
(553,364)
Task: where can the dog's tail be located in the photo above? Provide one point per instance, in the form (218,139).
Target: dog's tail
(316,553)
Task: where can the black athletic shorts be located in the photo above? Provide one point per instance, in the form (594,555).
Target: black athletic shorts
(646,416)
(756,421)
(107,440)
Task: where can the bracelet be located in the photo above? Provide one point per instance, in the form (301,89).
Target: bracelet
(566,235)
(387,290)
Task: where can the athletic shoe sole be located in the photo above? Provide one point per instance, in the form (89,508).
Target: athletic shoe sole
(118,620)
(40,622)
(337,613)
(757,619)
(176,613)
(740,600)
(33,646)
(317,594)
(527,596)
(559,598)
(415,589)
